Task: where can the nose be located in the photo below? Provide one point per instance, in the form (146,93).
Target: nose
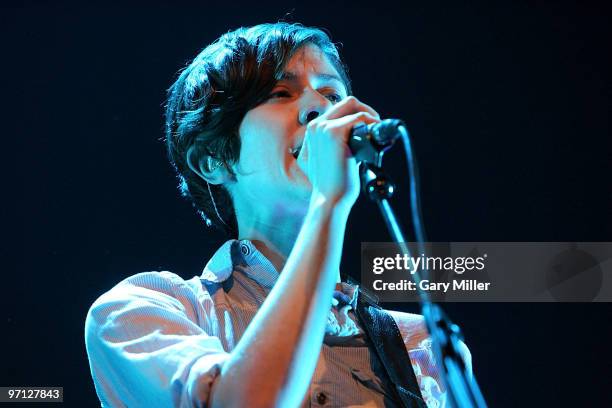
(314,106)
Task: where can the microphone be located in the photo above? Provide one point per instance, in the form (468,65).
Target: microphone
(369,142)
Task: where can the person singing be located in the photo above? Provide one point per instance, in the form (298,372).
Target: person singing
(257,128)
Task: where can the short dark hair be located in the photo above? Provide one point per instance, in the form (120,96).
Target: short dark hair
(211,96)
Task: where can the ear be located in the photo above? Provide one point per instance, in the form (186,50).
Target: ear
(210,169)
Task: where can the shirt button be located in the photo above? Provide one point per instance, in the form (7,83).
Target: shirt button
(244,248)
(321,398)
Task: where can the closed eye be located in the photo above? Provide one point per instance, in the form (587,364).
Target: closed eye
(331,93)
(334,97)
(279,94)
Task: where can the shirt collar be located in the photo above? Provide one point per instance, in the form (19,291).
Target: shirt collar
(242,255)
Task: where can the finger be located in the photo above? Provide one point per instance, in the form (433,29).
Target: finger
(348,106)
(350,121)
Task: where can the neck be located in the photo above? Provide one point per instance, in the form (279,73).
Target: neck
(273,234)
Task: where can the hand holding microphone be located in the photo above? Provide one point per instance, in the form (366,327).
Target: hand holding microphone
(325,156)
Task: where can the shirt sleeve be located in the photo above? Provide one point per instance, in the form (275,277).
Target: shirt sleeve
(418,344)
(149,343)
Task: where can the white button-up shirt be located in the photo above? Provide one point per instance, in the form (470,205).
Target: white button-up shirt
(156,340)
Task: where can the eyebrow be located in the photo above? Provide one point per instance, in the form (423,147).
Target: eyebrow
(292,76)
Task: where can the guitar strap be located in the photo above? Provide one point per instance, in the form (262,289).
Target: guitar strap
(388,344)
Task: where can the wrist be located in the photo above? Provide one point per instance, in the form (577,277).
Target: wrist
(333,205)
(319,200)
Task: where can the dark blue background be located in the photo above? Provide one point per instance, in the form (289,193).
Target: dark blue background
(508,106)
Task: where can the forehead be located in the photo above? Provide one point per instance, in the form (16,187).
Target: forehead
(310,60)
(309,56)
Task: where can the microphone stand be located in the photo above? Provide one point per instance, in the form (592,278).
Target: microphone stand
(463,390)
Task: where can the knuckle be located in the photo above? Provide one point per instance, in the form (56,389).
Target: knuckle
(351,100)
(365,115)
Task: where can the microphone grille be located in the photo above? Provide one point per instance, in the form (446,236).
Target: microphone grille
(386,131)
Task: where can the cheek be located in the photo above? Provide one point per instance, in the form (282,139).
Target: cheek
(263,140)
(254,152)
